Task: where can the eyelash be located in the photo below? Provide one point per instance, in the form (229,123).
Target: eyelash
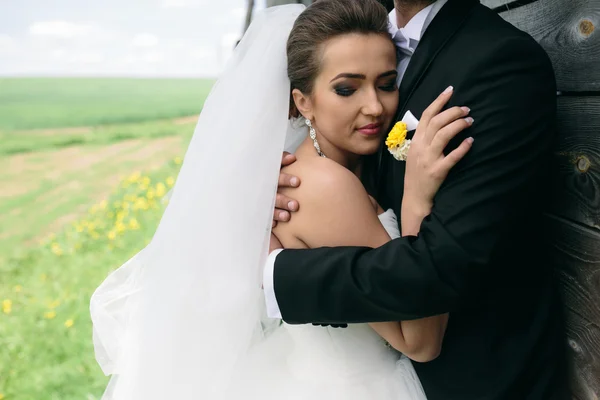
(347,92)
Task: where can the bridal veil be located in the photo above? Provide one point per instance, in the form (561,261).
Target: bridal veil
(173,322)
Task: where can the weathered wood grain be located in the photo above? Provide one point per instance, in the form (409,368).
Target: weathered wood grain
(576,181)
(576,254)
(569,31)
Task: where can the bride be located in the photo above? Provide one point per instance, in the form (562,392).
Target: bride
(185,318)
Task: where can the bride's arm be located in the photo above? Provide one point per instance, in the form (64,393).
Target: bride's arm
(336,211)
(421,339)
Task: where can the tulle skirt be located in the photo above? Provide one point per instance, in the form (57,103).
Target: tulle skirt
(281,369)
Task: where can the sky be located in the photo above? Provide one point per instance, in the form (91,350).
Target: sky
(138,38)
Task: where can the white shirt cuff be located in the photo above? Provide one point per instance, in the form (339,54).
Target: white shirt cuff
(269,286)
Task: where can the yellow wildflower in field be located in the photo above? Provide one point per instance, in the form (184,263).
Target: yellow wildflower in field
(144,183)
(161,189)
(121,215)
(56,249)
(50,314)
(7,306)
(112,235)
(178,160)
(103,204)
(18,289)
(170,181)
(134,177)
(120,227)
(133,224)
(69,323)
(43,277)
(1,396)
(150,194)
(54,304)
(141,204)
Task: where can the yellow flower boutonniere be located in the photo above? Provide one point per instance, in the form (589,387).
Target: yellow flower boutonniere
(397,143)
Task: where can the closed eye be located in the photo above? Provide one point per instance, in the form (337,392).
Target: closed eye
(344,91)
(389,88)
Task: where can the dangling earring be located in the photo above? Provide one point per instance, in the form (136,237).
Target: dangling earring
(313,136)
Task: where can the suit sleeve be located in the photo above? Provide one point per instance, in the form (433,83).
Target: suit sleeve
(486,197)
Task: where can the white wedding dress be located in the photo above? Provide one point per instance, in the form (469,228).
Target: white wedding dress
(185,318)
(301,362)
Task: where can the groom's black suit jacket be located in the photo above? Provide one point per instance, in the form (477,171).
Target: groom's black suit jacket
(480,254)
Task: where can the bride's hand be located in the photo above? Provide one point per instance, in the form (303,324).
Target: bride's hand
(283,204)
(426,164)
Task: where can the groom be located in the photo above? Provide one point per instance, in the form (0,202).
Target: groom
(479,254)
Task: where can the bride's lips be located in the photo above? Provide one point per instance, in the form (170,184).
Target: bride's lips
(371,129)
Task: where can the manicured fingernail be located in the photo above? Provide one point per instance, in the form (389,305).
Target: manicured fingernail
(466,109)
(469,120)
(448,90)
(294,182)
(282,216)
(470,140)
(292,206)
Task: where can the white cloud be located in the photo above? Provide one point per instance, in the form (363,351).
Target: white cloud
(144,40)
(201,53)
(183,3)
(86,58)
(7,43)
(153,57)
(60,29)
(239,12)
(69,38)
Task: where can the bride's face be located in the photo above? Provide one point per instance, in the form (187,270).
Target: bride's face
(355,95)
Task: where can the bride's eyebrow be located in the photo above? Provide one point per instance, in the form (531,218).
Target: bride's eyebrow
(389,73)
(361,76)
(349,75)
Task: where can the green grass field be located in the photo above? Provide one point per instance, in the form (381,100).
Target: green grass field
(76,204)
(34,103)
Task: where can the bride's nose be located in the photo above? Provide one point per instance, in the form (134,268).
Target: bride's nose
(372,105)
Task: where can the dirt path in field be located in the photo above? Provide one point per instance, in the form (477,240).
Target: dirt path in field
(148,156)
(92,171)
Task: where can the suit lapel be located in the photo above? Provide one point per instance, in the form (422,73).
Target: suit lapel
(442,28)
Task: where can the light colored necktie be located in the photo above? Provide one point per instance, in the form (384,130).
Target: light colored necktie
(404,44)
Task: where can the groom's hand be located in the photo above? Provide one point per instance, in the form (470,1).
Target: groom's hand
(285,205)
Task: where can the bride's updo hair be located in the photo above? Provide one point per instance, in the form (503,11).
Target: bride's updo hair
(321,21)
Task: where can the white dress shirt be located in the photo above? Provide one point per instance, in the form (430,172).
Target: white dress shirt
(406,40)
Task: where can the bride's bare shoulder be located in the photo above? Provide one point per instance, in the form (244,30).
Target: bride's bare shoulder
(330,196)
(322,176)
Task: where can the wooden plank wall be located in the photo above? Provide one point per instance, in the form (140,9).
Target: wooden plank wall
(568,31)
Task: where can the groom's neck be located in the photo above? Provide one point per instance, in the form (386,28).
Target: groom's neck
(407,9)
